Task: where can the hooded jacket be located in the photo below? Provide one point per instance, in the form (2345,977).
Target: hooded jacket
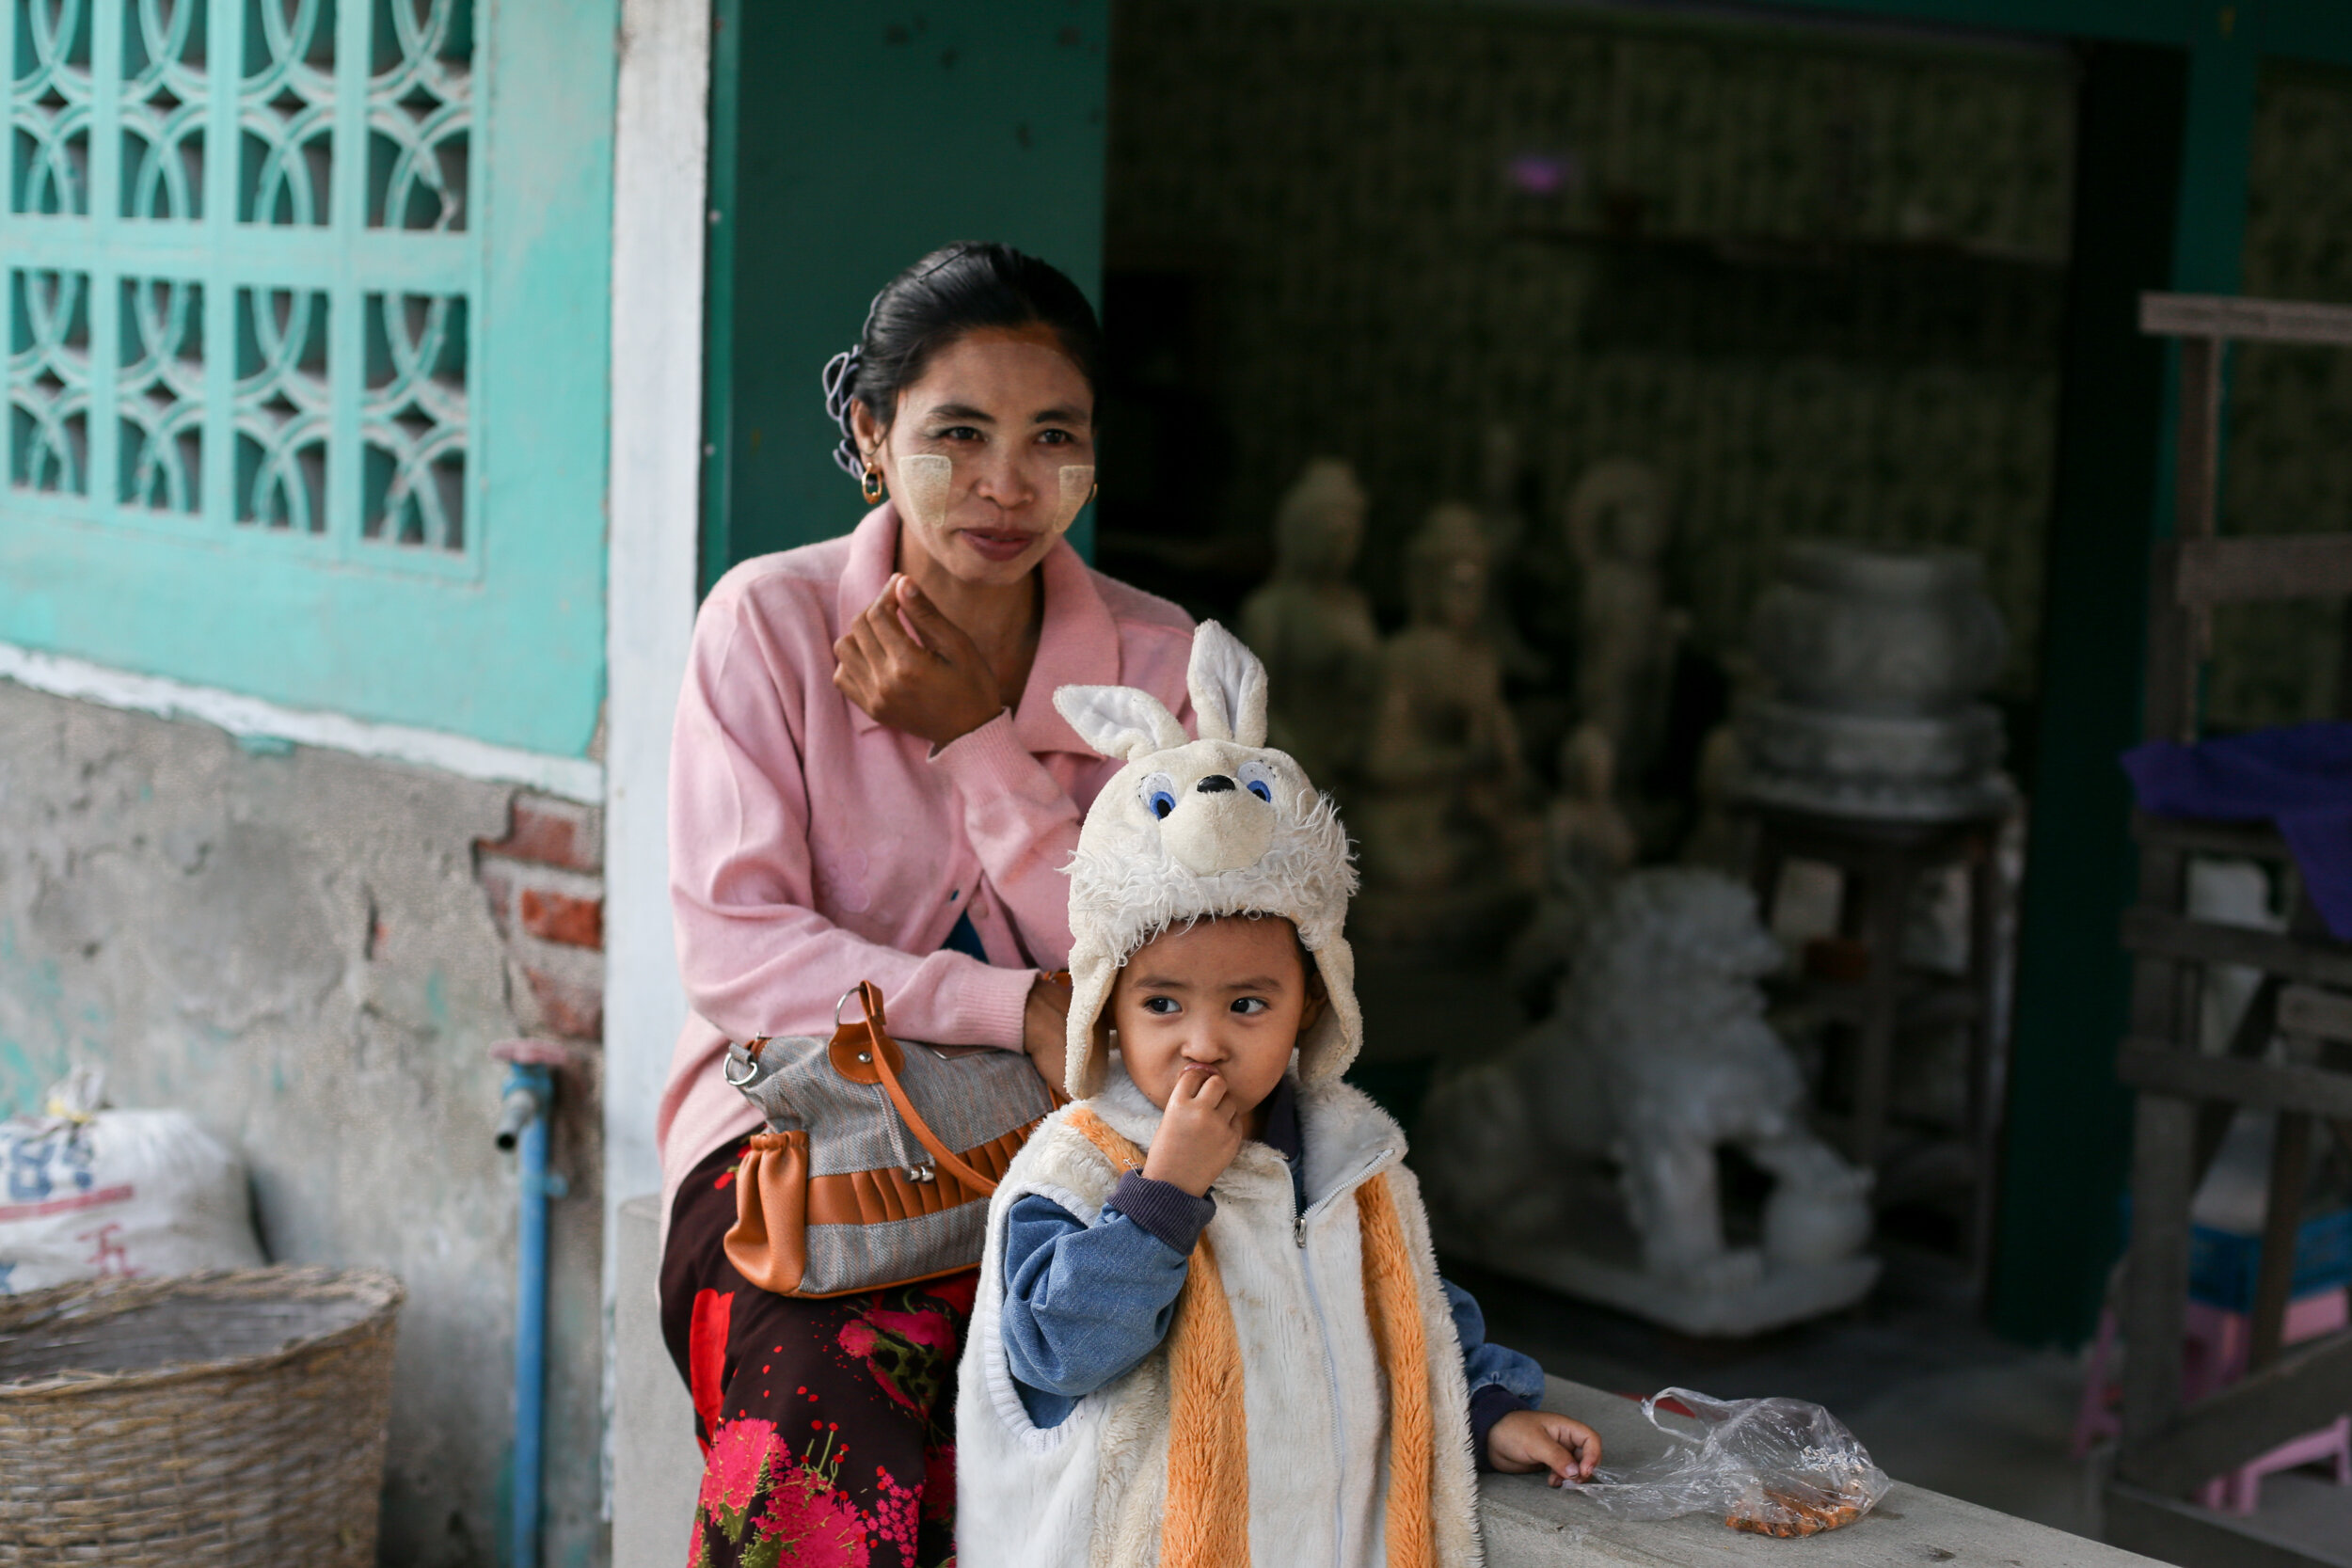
(1089,1490)
(1191,828)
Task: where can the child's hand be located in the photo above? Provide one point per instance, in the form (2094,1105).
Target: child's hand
(1539,1440)
(1200,1133)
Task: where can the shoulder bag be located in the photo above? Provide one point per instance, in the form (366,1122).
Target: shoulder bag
(879,1158)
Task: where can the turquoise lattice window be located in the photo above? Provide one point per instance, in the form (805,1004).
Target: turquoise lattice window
(241,273)
(49,382)
(304,361)
(159,394)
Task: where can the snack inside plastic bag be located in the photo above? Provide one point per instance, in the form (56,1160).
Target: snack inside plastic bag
(1774,1467)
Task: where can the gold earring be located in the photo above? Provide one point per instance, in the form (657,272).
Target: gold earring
(870,485)
(1093,490)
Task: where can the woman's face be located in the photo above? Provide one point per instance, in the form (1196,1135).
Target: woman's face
(1008,412)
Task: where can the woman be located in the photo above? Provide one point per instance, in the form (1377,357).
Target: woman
(868,782)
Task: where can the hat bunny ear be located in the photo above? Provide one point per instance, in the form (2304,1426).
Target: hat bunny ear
(1119,720)
(1228,685)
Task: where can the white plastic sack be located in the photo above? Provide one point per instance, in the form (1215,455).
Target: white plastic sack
(1777,1466)
(85,1192)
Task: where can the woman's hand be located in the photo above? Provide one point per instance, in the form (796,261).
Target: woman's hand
(1045,1028)
(933,682)
(1200,1133)
(1540,1440)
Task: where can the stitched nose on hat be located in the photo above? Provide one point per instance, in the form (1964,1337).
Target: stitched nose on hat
(1217,832)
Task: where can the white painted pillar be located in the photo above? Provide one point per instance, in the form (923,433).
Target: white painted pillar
(658,225)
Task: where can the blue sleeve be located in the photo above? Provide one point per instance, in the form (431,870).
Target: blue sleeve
(1083,1304)
(1500,1380)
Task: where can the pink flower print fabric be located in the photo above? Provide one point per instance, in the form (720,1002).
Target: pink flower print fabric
(827,1426)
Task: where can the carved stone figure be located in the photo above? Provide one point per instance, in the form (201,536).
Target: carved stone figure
(1588,845)
(1628,636)
(1312,629)
(1442,810)
(1722,839)
(1656,1055)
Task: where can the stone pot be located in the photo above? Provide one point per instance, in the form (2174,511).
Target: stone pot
(1936,768)
(1803,742)
(1852,629)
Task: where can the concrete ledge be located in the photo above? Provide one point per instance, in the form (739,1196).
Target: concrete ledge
(657,1468)
(1527,1523)
(657,1472)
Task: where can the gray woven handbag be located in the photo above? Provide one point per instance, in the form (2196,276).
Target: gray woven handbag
(879,1158)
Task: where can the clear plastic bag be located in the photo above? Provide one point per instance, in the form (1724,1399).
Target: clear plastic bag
(1774,1467)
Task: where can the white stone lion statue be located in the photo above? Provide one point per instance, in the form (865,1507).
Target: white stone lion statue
(1657,1054)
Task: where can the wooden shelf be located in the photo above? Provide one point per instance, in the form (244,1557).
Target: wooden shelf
(2158,933)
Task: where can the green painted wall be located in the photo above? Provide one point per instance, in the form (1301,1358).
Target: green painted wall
(2069,1121)
(500,638)
(2290,431)
(864,136)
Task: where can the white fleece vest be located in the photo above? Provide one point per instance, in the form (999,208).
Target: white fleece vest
(1089,1492)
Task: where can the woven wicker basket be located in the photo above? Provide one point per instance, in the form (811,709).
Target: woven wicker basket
(231,1417)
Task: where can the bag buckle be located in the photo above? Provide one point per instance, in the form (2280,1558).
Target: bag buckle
(747,1056)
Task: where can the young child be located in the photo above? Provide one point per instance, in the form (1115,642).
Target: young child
(1210,1329)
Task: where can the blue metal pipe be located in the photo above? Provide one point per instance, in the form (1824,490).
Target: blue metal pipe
(523,1127)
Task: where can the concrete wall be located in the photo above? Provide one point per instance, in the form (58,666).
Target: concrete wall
(292,945)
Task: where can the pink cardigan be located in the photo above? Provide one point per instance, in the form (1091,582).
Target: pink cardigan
(812,848)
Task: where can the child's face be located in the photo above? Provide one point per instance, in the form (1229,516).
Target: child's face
(1229,997)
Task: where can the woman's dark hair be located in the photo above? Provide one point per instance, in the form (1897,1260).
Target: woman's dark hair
(948,293)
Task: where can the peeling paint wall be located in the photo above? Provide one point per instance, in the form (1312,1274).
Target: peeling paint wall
(292,945)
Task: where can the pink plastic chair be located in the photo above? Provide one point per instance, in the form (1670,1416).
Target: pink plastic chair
(2213,1355)
(2219,1343)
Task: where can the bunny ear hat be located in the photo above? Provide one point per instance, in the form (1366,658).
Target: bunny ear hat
(1193,829)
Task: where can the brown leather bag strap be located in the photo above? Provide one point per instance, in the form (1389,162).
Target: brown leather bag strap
(922,1130)
(882,1049)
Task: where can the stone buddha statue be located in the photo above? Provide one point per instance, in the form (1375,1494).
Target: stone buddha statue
(1447,838)
(1588,845)
(1312,626)
(1627,637)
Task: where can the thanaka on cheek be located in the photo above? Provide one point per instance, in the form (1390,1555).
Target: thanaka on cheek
(926,480)
(1076,488)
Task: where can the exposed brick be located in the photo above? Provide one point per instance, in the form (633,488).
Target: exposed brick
(547,899)
(549,831)
(499,889)
(560,917)
(568,1007)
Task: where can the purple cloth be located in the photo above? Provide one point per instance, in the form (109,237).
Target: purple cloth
(2298,778)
